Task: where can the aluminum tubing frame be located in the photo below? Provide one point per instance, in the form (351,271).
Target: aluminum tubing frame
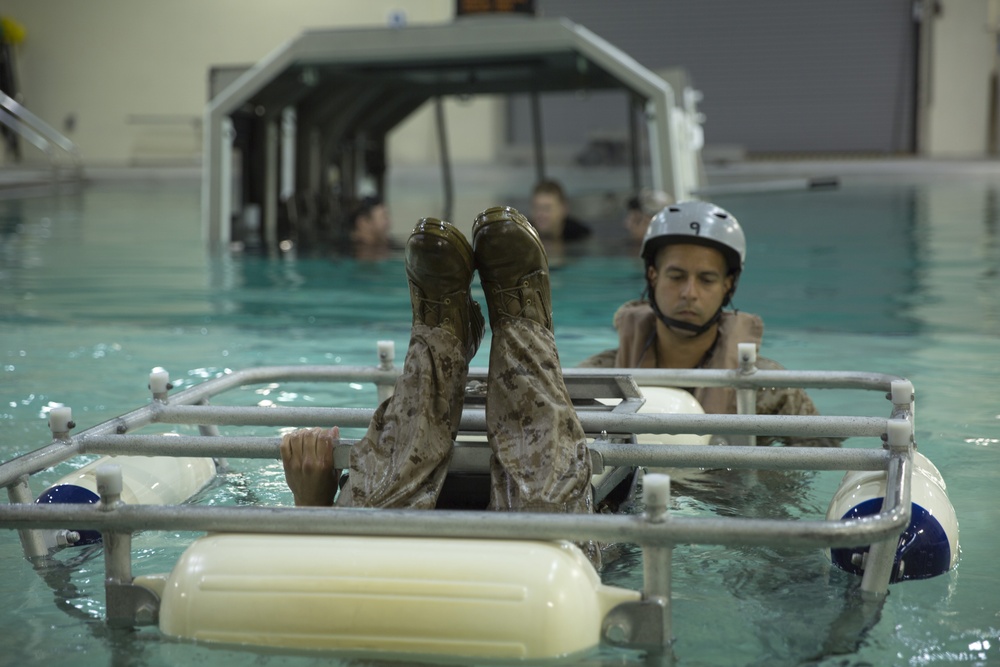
(656,535)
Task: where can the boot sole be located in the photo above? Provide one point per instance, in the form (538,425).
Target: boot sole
(448,232)
(507,214)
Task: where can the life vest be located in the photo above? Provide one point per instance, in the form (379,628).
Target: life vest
(636,323)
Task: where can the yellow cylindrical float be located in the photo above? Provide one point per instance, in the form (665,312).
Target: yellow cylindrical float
(670,401)
(146,480)
(497,599)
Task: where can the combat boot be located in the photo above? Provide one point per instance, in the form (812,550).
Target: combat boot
(513,267)
(439,266)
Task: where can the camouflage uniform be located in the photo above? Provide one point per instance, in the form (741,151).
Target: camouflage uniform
(540,460)
(403,458)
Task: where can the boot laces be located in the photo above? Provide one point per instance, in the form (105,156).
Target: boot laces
(514,296)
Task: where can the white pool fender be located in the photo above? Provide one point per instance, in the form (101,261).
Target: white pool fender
(470,598)
(673,401)
(146,480)
(929,545)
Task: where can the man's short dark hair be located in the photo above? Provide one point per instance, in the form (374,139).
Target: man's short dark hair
(364,207)
(549,186)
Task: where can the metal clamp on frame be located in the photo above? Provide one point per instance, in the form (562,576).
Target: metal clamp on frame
(128,605)
(647,624)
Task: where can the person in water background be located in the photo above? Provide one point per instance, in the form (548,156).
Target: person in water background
(550,214)
(640,209)
(368,229)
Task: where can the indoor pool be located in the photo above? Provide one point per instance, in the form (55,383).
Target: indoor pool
(99,287)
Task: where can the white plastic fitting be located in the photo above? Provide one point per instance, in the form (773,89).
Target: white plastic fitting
(60,420)
(901,392)
(159,382)
(386,352)
(65,538)
(109,480)
(748,356)
(900,433)
(656,494)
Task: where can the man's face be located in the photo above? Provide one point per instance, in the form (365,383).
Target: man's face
(690,282)
(548,214)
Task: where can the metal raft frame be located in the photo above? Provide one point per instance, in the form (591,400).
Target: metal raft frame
(644,624)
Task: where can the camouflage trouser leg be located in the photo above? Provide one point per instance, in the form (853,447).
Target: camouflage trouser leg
(403,458)
(540,460)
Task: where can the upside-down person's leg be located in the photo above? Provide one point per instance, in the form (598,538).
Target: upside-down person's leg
(540,458)
(403,458)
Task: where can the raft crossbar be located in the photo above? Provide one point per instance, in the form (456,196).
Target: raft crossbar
(729,531)
(612,453)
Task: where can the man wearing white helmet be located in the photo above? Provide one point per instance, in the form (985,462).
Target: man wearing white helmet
(694,254)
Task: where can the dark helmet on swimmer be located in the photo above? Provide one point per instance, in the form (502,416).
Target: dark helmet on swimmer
(699,223)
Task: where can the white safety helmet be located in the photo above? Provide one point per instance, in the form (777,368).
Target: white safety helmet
(700,223)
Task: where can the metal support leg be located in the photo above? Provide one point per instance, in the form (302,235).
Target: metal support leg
(271,175)
(657,561)
(32,541)
(647,624)
(746,399)
(882,555)
(226,185)
(36,543)
(635,156)
(127,605)
(445,156)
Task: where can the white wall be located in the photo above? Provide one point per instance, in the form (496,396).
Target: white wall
(134,73)
(117,66)
(963,52)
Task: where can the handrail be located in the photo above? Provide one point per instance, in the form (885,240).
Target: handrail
(36,130)
(29,134)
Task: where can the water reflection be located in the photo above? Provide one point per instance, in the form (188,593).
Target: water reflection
(831,260)
(883,259)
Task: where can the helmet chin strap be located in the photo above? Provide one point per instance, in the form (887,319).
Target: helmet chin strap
(685,326)
(680,324)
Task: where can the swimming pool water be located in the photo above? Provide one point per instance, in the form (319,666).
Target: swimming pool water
(99,287)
